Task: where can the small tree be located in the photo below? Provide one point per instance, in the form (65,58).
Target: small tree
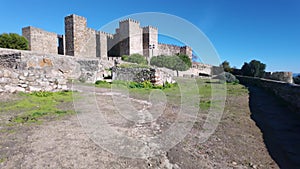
(186,59)
(13,41)
(226,66)
(254,68)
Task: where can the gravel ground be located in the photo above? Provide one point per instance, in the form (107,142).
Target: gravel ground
(68,143)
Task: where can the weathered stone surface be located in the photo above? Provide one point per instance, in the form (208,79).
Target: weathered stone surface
(287,91)
(52,75)
(156,76)
(35,88)
(6,73)
(5,80)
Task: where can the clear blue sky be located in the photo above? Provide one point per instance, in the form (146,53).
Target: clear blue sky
(240,30)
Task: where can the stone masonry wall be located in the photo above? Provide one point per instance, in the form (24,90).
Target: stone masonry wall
(44,72)
(156,76)
(287,91)
(282,76)
(81,40)
(40,40)
(150,37)
(169,50)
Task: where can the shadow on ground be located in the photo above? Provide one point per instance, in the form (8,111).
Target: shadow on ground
(279,125)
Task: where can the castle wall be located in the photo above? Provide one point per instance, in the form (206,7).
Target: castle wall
(168,50)
(130,37)
(40,40)
(187,51)
(81,40)
(150,37)
(102,41)
(282,76)
(287,91)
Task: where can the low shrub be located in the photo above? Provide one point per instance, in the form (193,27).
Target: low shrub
(135,58)
(227,77)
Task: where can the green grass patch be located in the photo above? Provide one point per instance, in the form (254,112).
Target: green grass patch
(236,89)
(206,88)
(33,107)
(2,160)
(133,65)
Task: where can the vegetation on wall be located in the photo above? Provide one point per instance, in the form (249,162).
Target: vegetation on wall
(135,58)
(254,68)
(13,41)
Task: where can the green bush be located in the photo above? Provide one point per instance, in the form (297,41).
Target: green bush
(135,58)
(227,77)
(254,69)
(101,83)
(13,41)
(170,62)
(186,59)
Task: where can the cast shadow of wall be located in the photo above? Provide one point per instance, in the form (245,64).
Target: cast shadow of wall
(279,125)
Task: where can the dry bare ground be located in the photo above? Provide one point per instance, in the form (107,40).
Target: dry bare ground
(63,143)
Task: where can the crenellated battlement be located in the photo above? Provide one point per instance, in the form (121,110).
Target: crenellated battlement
(129,20)
(80,40)
(149,27)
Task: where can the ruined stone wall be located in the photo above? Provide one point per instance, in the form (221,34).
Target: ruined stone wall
(287,91)
(198,69)
(44,72)
(40,40)
(156,76)
(282,76)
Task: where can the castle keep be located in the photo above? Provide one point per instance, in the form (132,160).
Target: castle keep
(81,41)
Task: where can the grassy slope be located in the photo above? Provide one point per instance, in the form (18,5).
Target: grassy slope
(33,107)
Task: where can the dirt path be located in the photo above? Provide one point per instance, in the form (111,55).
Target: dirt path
(279,125)
(237,143)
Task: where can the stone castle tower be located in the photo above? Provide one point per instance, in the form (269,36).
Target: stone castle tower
(81,41)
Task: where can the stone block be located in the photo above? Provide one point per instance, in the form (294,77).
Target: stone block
(44,84)
(35,88)
(21,77)
(23,85)
(62,81)
(5,80)
(49,88)
(14,75)
(6,73)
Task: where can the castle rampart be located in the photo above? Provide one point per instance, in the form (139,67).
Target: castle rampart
(40,40)
(79,40)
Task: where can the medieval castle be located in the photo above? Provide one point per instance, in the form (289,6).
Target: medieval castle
(81,41)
